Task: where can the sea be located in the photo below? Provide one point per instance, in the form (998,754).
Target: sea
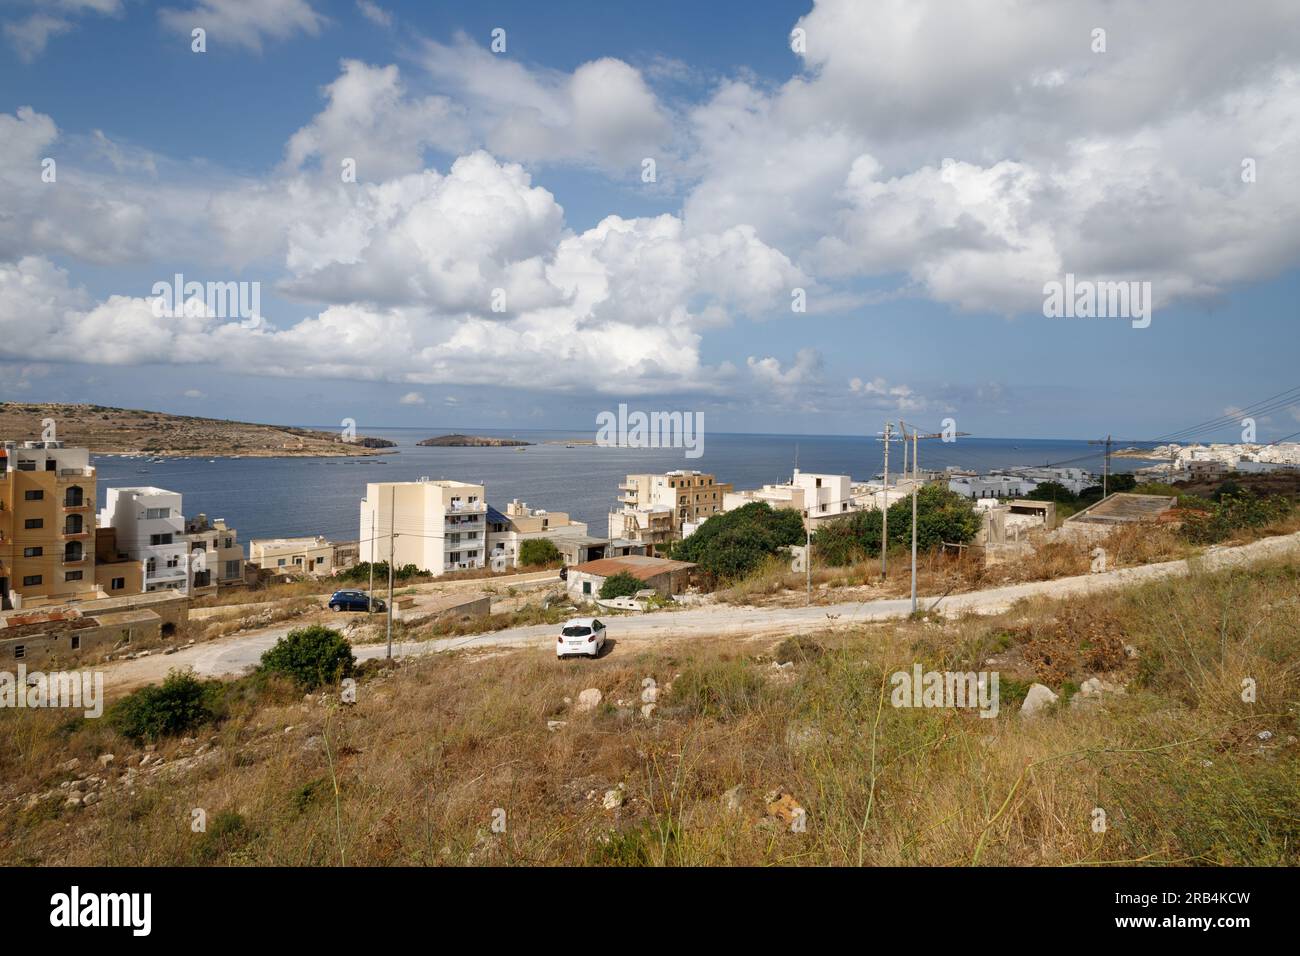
(292,497)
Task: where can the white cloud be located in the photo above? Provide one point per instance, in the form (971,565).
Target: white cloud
(411,398)
(769,374)
(602,113)
(375,13)
(245,23)
(30,35)
(194,393)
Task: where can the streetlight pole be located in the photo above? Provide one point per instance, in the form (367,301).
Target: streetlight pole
(392,521)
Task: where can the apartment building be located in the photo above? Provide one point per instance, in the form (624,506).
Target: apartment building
(519,523)
(655,507)
(438,526)
(314,556)
(216,556)
(47,524)
(150,528)
(819,496)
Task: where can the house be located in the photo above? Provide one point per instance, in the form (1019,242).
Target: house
(818,496)
(313,556)
(660,574)
(438,526)
(87,630)
(507,531)
(655,507)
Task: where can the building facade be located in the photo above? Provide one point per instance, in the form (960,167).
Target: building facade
(47,524)
(314,556)
(656,507)
(150,528)
(215,554)
(508,530)
(438,526)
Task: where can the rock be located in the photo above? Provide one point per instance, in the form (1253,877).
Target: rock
(589,699)
(89,799)
(32,802)
(72,803)
(554,725)
(1091,691)
(69,765)
(649,691)
(1131,651)
(1265,735)
(647,710)
(1038,699)
(105,759)
(613,799)
(801,736)
(781,805)
(731,800)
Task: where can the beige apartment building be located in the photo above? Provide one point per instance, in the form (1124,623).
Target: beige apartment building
(507,531)
(438,526)
(47,525)
(656,507)
(314,556)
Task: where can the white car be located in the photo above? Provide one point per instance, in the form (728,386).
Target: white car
(582,635)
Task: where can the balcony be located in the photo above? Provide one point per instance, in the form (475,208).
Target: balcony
(82,505)
(627,486)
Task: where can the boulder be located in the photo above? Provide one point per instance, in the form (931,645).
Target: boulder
(105,759)
(589,699)
(613,799)
(1039,698)
(732,800)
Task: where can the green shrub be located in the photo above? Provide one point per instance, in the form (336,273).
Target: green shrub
(1232,513)
(180,704)
(941,515)
(799,648)
(538,551)
(360,573)
(721,689)
(735,543)
(311,657)
(622,584)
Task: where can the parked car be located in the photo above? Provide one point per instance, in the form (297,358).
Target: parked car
(564,573)
(581,635)
(354,601)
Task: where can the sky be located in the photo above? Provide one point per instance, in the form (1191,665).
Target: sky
(791,217)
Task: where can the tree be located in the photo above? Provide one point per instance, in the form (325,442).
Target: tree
(538,551)
(941,515)
(734,543)
(1052,491)
(310,656)
(622,584)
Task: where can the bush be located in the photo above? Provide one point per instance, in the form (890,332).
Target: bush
(538,551)
(311,657)
(622,584)
(182,703)
(1233,513)
(360,573)
(941,515)
(723,690)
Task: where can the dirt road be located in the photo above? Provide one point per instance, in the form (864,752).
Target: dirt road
(238,653)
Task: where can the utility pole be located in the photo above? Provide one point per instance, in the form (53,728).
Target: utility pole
(916,485)
(807,550)
(884,513)
(370,594)
(392,521)
(1105,472)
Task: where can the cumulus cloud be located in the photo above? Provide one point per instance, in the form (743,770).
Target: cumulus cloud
(603,113)
(31,34)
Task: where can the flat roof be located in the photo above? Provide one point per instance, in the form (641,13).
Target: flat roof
(639,566)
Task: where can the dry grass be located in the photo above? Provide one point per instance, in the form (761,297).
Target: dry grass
(413,773)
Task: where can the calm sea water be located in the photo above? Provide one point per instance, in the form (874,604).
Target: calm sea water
(272,497)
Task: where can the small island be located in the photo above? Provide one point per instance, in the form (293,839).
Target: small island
(471,441)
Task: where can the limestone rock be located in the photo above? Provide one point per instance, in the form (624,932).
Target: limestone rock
(1039,698)
(589,699)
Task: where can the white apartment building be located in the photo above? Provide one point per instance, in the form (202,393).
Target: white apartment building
(507,531)
(991,486)
(820,496)
(150,528)
(438,526)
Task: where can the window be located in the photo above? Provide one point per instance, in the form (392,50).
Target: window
(72,575)
(117,584)
(151,567)
(230,543)
(33,552)
(34,523)
(20,651)
(298,559)
(73,498)
(76,642)
(31,580)
(586,587)
(33,495)
(320,560)
(152,513)
(232,569)
(279,562)
(471,554)
(160,538)
(454,557)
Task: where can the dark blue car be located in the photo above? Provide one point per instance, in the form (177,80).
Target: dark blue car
(354,601)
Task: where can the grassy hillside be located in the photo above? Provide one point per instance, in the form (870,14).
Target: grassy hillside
(117,430)
(432,752)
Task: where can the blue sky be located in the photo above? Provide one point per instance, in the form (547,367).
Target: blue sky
(919,173)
